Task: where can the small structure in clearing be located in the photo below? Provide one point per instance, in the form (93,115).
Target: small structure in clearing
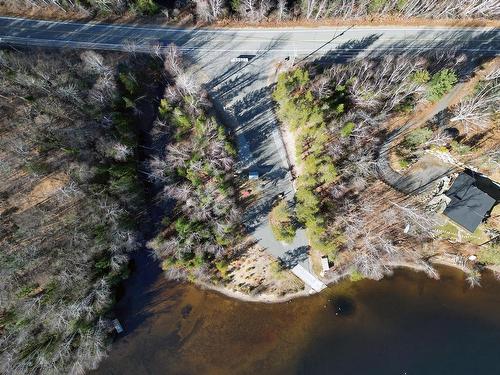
(325,266)
(253,175)
(472,197)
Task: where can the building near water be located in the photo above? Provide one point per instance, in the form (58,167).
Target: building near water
(472,198)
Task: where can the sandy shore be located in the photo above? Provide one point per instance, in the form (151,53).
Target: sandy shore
(262,298)
(445,260)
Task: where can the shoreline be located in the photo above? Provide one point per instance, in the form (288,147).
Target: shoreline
(259,298)
(442,260)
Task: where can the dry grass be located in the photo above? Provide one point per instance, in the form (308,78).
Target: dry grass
(257,272)
(42,191)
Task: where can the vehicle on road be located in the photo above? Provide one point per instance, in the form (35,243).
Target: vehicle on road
(242,58)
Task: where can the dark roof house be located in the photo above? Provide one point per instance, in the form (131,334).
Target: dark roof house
(473,196)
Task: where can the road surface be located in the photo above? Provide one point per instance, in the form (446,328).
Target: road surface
(217,43)
(242,90)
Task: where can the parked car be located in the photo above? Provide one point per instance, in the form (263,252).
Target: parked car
(242,58)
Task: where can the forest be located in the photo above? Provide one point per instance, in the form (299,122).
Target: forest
(70,198)
(255,11)
(195,169)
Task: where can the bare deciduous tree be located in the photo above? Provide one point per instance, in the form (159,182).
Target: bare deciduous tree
(254,10)
(282,10)
(94,62)
(209,10)
(474,278)
(424,221)
(476,110)
(172,60)
(156,49)
(187,84)
(439,139)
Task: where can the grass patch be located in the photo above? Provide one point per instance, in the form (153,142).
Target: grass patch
(459,148)
(403,163)
(277,270)
(356,276)
(451,231)
(490,255)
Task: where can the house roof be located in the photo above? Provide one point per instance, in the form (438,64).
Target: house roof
(472,198)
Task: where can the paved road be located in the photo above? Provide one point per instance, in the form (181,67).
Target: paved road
(244,88)
(242,96)
(213,44)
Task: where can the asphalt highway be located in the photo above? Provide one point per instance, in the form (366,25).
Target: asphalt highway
(230,42)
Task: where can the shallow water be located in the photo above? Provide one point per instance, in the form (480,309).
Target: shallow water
(406,324)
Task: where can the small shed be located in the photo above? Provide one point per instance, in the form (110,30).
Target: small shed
(325,266)
(253,175)
(472,197)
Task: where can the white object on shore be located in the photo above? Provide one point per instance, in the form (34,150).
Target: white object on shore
(472,257)
(308,278)
(407,228)
(254,175)
(324,265)
(118,326)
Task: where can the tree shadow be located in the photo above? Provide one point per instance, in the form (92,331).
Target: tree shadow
(293,257)
(452,44)
(346,51)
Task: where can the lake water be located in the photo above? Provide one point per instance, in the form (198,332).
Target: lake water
(405,324)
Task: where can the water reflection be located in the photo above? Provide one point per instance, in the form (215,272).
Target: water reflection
(343,306)
(407,323)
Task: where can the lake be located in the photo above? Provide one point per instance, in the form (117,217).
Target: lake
(404,324)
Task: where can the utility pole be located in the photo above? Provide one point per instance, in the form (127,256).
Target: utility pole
(327,43)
